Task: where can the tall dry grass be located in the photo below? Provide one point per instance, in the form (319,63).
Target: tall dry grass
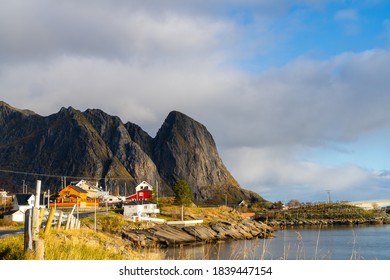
(12,248)
(84,244)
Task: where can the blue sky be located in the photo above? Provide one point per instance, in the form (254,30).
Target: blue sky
(319,32)
(295,93)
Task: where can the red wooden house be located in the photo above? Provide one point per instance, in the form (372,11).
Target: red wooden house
(142,192)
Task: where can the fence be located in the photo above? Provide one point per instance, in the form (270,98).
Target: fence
(42,218)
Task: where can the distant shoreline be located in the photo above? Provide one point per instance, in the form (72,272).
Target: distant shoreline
(326,222)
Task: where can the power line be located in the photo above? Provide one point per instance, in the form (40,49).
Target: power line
(61,176)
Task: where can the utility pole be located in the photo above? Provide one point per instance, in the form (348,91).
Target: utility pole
(24,187)
(48,198)
(95,216)
(156,192)
(328,191)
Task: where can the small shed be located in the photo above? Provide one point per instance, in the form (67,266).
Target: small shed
(15,216)
(242,204)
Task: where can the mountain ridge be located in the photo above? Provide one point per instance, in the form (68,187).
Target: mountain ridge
(94,144)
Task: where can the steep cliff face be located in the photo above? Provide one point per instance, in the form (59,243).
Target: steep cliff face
(129,153)
(93,144)
(61,144)
(184,148)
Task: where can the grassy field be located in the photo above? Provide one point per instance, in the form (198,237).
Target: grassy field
(9,225)
(105,243)
(83,244)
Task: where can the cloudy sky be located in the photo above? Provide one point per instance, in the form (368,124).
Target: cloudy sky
(295,93)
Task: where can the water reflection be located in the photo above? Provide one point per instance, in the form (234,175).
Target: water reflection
(306,243)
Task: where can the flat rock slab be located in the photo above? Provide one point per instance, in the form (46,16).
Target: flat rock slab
(169,236)
(172,235)
(202,233)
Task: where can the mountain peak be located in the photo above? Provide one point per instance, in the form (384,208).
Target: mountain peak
(69,110)
(9,108)
(94,144)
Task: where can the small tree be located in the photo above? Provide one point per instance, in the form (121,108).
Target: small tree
(278,205)
(293,203)
(183,194)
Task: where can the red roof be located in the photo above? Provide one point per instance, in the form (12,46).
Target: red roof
(248,214)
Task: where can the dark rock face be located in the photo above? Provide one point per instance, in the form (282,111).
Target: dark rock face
(93,144)
(183,148)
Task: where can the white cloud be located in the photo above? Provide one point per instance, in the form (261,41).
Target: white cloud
(141,59)
(279,176)
(309,102)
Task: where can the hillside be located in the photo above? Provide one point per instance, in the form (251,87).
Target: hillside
(96,145)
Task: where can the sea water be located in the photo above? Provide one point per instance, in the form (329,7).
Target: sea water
(363,242)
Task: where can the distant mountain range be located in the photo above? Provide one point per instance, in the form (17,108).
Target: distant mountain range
(93,145)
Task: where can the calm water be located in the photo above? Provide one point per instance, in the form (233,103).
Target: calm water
(326,243)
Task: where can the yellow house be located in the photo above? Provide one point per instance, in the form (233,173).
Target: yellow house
(70,195)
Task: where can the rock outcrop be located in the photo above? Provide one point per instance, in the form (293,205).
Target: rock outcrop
(170,236)
(95,145)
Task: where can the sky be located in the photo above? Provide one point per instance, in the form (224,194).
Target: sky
(295,93)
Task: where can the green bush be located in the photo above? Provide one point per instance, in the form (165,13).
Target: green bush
(112,223)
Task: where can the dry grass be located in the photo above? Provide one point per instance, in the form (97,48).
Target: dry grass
(84,244)
(11,248)
(221,213)
(10,225)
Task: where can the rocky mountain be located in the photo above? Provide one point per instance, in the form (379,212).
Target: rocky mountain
(98,146)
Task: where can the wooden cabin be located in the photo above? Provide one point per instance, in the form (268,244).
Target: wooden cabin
(70,195)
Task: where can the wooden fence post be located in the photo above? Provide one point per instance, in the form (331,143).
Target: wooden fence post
(27,231)
(38,244)
(59,220)
(41,215)
(50,220)
(69,218)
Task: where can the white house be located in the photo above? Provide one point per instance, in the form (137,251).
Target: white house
(92,189)
(15,216)
(111,199)
(3,193)
(140,208)
(21,203)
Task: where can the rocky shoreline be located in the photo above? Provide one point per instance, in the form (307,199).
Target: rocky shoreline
(326,222)
(171,236)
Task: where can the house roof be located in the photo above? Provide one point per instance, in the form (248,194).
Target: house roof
(90,185)
(9,213)
(78,189)
(22,198)
(144,185)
